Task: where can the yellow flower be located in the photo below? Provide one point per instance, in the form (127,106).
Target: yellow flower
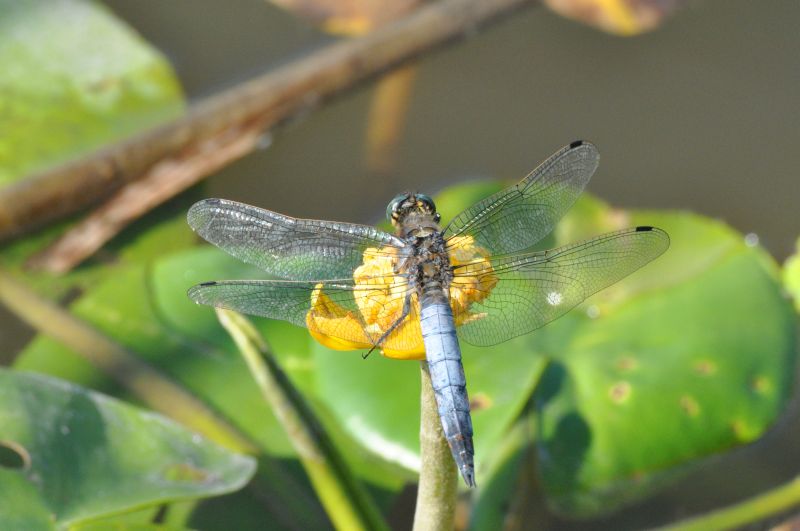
(476,281)
(380,297)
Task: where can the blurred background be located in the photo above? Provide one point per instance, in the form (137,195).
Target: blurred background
(699,114)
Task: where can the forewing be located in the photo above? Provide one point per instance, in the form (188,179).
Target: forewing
(297,249)
(516,218)
(533,289)
(326,309)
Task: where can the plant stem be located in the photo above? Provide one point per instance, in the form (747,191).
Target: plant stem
(438,477)
(347,504)
(740,514)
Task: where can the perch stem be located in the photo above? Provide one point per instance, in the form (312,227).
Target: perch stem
(438,477)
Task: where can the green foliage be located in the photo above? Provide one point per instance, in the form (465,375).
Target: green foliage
(81,455)
(687,358)
(632,389)
(376,398)
(66,92)
(791,276)
(145,309)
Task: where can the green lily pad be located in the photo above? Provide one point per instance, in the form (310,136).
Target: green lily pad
(669,334)
(82,455)
(146,310)
(74,78)
(791,276)
(124,308)
(509,479)
(377,399)
(689,357)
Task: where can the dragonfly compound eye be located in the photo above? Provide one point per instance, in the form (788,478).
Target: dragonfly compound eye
(426,202)
(394,206)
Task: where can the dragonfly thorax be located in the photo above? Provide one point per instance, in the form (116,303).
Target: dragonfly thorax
(429,265)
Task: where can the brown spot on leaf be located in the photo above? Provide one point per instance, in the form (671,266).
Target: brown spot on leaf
(689,405)
(480,401)
(704,367)
(626,363)
(185,472)
(761,384)
(741,430)
(619,392)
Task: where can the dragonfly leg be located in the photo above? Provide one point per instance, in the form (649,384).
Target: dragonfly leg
(406,311)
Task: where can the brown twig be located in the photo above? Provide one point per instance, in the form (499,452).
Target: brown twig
(252,107)
(166,179)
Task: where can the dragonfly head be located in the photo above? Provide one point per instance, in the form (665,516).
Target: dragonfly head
(407,204)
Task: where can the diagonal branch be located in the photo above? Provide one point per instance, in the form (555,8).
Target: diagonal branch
(256,105)
(347,503)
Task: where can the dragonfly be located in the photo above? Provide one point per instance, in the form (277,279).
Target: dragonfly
(416,293)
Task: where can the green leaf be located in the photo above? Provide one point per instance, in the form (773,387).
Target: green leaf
(687,358)
(138,520)
(146,310)
(125,308)
(509,479)
(83,455)
(377,399)
(791,276)
(74,78)
(670,334)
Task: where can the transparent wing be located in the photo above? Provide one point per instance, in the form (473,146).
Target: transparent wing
(298,249)
(530,290)
(516,218)
(340,309)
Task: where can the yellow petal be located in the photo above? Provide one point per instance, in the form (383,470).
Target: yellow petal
(405,343)
(335,343)
(416,354)
(326,318)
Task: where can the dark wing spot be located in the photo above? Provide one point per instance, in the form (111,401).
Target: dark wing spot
(644,229)
(575,144)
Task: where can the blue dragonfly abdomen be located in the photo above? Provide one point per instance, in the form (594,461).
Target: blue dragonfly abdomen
(443,356)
